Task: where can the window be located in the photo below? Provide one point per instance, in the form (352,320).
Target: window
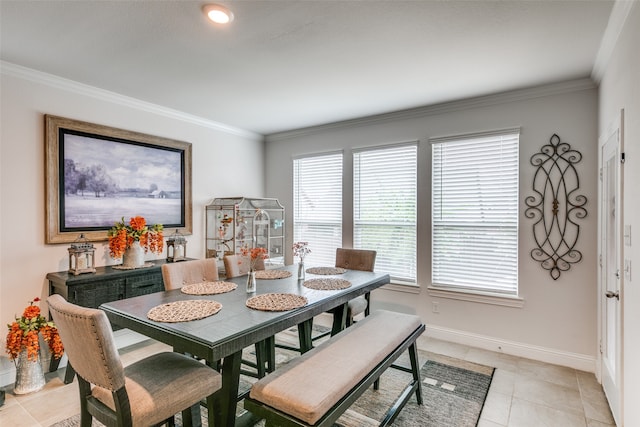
(475,212)
(317,206)
(384,207)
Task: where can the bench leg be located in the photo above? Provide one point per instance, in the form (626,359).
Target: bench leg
(415,369)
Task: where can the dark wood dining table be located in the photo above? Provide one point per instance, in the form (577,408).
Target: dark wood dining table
(223,336)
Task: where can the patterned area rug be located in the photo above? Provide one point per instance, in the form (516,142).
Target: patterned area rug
(453,392)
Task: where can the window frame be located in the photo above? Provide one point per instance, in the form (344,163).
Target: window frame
(329,257)
(358,223)
(475,292)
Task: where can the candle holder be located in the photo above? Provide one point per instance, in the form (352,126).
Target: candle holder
(176,247)
(81,256)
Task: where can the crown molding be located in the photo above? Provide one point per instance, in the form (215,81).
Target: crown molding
(447,107)
(18,71)
(619,13)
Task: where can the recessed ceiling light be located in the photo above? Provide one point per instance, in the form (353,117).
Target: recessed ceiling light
(217,13)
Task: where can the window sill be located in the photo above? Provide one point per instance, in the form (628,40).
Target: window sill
(480,297)
(410,288)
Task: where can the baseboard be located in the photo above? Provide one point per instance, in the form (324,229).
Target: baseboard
(123,338)
(547,355)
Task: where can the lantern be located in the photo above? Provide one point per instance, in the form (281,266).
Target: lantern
(81,256)
(176,247)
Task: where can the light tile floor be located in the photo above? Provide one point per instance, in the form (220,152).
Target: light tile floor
(524,392)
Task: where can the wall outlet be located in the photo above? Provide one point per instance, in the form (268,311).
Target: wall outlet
(627,269)
(435,308)
(627,235)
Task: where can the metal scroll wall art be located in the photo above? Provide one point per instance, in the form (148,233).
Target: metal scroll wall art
(556,206)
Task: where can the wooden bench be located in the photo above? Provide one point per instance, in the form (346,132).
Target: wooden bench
(316,388)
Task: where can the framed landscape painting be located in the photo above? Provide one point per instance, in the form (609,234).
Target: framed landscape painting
(97,175)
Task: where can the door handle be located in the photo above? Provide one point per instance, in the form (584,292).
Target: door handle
(611,294)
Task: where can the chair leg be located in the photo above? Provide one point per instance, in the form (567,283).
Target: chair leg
(367,310)
(85,391)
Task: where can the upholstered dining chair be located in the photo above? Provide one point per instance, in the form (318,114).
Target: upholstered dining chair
(357,259)
(147,392)
(351,259)
(177,274)
(239,265)
(354,259)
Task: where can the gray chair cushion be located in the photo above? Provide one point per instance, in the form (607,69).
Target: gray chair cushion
(163,385)
(356,306)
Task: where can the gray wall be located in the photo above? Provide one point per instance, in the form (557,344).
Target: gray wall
(225,162)
(558,320)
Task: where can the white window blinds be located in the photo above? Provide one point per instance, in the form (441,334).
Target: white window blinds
(317,206)
(475,212)
(384,207)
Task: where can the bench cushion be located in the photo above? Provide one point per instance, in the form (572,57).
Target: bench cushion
(313,383)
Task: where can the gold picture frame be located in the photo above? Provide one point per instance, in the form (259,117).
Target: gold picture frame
(96,175)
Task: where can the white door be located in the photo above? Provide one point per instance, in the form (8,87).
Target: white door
(611,275)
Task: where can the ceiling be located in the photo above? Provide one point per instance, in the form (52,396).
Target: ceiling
(282,65)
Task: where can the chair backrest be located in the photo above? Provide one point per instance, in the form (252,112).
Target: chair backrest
(88,341)
(238,265)
(356,259)
(177,274)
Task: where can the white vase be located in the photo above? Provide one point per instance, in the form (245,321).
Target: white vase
(29,374)
(301,273)
(133,256)
(251,282)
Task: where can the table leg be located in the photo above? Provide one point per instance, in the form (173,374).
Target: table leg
(339,319)
(225,410)
(304,335)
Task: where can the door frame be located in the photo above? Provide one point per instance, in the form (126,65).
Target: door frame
(616,126)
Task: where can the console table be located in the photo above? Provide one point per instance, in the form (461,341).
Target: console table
(105,285)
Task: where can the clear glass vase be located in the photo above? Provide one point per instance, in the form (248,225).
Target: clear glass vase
(301,270)
(251,282)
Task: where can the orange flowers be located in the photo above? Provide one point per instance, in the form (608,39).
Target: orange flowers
(121,236)
(254,254)
(23,334)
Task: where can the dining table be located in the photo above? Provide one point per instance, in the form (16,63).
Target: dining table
(220,338)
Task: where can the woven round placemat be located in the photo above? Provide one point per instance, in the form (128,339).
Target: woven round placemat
(208,288)
(276,302)
(122,267)
(272,274)
(184,311)
(327,284)
(326,270)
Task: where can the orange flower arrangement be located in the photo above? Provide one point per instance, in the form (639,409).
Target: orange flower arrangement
(254,254)
(23,334)
(121,236)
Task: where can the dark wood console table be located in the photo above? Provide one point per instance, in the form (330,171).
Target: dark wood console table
(105,285)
